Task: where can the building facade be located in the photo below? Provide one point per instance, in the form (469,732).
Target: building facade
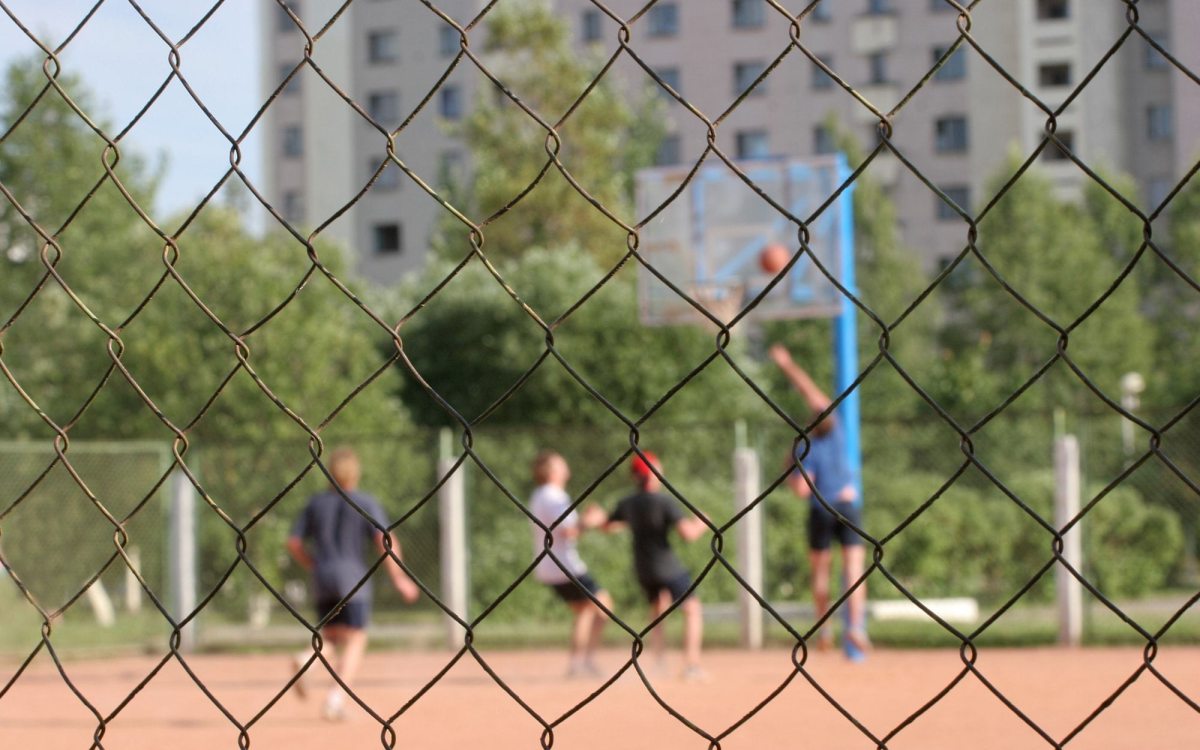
(1137,115)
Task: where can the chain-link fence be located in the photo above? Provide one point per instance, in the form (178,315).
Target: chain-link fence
(251,379)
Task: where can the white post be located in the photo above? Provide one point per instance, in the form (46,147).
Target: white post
(452,520)
(182,554)
(133,589)
(749,544)
(1132,385)
(102,605)
(1066,507)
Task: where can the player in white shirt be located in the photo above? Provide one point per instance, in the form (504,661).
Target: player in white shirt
(547,504)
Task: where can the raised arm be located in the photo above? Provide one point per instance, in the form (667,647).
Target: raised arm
(816,399)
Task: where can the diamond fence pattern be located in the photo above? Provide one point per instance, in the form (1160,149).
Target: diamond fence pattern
(241,358)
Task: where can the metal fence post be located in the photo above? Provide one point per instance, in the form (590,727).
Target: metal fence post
(1066,506)
(452,521)
(182,554)
(749,544)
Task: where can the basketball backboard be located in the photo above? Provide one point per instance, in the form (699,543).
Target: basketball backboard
(710,238)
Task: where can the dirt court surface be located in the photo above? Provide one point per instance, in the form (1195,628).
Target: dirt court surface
(1057,688)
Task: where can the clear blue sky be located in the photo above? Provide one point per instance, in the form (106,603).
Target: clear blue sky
(123,62)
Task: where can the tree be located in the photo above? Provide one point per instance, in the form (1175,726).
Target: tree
(1057,256)
(49,161)
(603,142)
(473,341)
(312,353)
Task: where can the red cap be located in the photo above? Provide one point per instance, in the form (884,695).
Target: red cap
(640,468)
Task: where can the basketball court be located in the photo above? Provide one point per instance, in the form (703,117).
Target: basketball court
(1057,688)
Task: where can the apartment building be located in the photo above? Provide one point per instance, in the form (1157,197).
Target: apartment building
(1137,114)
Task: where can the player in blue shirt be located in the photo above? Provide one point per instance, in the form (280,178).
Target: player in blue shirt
(831,477)
(330,540)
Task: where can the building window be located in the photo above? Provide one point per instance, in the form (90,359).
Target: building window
(877,7)
(663,19)
(284,22)
(1054,74)
(1159,122)
(387,239)
(744,76)
(450,167)
(821,79)
(592,25)
(748,14)
(1053,10)
(293,141)
(821,11)
(293,86)
(383,106)
(382,46)
(669,151)
(293,206)
(1054,152)
(752,144)
(823,141)
(955,67)
(950,134)
(877,67)
(1154,59)
(1157,190)
(960,194)
(388,179)
(670,76)
(448,41)
(450,102)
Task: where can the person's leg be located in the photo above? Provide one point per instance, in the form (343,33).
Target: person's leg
(693,631)
(583,612)
(853,556)
(349,642)
(354,647)
(820,561)
(658,645)
(599,620)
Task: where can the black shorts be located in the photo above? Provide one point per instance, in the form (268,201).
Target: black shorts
(824,527)
(678,586)
(570,593)
(356,614)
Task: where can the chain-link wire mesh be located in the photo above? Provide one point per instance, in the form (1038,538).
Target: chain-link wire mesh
(251,491)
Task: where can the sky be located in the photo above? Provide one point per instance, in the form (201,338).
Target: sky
(123,62)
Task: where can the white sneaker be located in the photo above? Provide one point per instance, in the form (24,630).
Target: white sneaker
(334,708)
(694,673)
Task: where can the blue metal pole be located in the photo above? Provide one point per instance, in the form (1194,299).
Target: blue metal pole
(845,348)
(845,335)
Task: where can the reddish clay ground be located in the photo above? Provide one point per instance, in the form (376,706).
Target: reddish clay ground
(1057,688)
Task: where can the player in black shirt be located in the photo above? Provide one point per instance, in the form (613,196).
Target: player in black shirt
(651,516)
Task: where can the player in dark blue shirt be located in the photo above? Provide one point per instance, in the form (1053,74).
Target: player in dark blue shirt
(330,540)
(831,477)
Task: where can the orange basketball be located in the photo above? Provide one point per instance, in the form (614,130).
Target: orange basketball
(773,258)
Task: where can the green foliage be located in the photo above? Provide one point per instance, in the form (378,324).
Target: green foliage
(105,254)
(604,140)
(1131,547)
(1055,255)
(311,355)
(473,341)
